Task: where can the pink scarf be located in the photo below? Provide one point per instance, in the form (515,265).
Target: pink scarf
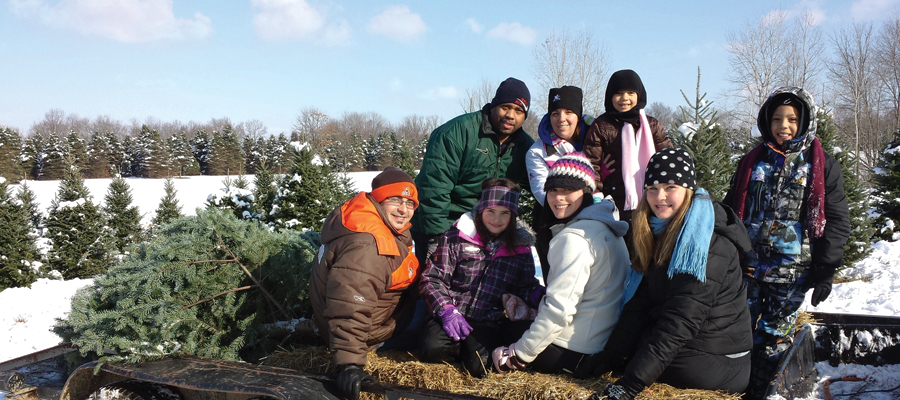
(636,152)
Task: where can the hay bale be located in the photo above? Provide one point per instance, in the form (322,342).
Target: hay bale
(404,369)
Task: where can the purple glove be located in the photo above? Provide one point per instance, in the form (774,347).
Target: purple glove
(455,324)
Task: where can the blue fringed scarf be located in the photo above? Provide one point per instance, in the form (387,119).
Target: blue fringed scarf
(692,246)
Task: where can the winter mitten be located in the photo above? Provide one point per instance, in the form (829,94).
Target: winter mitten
(595,365)
(516,308)
(455,324)
(350,378)
(620,390)
(820,281)
(505,359)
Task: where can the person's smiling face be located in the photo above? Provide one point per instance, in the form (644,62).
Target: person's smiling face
(785,123)
(665,199)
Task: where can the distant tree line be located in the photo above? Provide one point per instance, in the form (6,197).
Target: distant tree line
(104,148)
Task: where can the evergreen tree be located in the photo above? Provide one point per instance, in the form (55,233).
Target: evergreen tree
(150,155)
(10,152)
(225,155)
(33,156)
(200,148)
(54,158)
(308,192)
(861,229)
(129,149)
(700,134)
(264,191)
(203,287)
(403,157)
(18,250)
(419,150)
(80,242)
(168,208)
(104,156)
(278,154)
(234,197)
(124,219)
(183,161)
(75,150)
(886,185)
(28,203)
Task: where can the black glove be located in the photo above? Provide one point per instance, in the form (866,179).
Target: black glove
(595,365)
(350,378)
(819,280)
(620,390)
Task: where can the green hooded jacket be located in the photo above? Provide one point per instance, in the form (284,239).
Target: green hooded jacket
(460,155)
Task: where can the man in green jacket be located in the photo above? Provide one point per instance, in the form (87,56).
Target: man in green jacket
(464,152)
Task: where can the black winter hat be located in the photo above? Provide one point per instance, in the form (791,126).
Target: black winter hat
(568,97)
(672,165)
(779,99)
(625,79)
(513,91)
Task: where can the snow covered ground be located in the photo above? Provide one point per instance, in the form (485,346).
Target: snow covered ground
(26,314)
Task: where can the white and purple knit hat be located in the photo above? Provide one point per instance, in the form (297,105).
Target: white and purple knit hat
(572,171)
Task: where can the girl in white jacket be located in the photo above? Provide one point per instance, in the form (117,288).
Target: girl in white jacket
(588,263)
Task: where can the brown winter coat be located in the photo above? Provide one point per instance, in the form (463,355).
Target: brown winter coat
(603,138)
(358,286)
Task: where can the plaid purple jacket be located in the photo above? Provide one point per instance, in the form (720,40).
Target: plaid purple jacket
(473,276)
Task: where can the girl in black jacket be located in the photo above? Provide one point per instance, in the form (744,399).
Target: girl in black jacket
(688,323)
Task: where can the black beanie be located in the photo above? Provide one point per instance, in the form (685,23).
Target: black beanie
(625,79)
(672,165)
(568,97)
(513,91)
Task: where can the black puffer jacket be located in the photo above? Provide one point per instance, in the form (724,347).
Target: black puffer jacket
(666,315)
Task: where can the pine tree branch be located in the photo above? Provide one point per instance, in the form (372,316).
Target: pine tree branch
(216,295)
(252,278)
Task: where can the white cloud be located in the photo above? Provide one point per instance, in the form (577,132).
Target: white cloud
(476,27)
(873,9)
(513,32)
(398,23)
(444,92)
(290,19)
(813,7)
(128,21)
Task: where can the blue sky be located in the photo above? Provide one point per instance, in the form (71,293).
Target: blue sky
(268,59)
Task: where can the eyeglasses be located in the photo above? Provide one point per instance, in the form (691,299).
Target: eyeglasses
(399,201)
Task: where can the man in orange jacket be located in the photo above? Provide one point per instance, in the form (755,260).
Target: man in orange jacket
(364,268)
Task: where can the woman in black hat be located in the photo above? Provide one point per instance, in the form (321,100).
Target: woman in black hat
(688,323)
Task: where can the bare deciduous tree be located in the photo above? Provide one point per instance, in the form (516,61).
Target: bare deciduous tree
(853,74)
(54,122)
(565,58)
(253,129)
(756,53)
(805,47)
(775,51)
(887,58)
(664,114)
(478,96)
(414,127)
(310,127)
